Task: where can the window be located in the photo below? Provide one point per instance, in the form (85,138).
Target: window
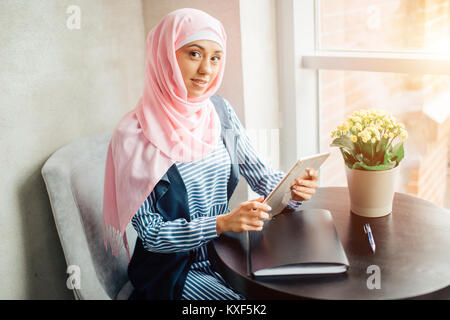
(392,55)
(384,25)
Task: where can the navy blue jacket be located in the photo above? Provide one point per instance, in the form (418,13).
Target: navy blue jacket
(161,276)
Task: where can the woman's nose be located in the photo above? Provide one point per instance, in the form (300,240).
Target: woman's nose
(205,67)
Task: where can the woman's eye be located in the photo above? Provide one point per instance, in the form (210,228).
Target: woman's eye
(195,54)
(216,59)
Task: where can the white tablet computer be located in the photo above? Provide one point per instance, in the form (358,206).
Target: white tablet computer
(281,194)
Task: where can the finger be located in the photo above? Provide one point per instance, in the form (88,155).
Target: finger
(261,215)
(313,174)
(305,196)
(258,199)
(258,215)
(255,206)
(296,197)
(254,223)
(303,177)
(249,228)
(305,190)
(308,184)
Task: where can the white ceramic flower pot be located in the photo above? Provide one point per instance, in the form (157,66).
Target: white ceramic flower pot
(372,192)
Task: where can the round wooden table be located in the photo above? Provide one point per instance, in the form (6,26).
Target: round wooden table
(412,254)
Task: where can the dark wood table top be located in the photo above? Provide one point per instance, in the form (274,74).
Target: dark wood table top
(412,253)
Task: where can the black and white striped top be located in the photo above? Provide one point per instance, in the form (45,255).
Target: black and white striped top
(206,183)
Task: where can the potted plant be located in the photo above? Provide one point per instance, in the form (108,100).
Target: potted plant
(371,143)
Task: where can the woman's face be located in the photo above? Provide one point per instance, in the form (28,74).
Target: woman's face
(199,62)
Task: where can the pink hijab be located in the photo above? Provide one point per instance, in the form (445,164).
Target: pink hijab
(166,125)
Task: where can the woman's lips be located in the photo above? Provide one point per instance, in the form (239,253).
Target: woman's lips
(199,83)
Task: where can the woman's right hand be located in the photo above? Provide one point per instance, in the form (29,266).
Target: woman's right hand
(247,216)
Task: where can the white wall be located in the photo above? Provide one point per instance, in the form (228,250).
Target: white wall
(260,75)
(56,85)
(298,98)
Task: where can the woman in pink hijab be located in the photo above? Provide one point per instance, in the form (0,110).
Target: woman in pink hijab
(170,167)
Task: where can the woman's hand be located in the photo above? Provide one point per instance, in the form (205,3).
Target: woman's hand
(247,216)
(305,186)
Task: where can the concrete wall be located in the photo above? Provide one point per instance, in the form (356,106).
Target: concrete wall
(56,85)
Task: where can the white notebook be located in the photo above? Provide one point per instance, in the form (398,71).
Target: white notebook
(300,270)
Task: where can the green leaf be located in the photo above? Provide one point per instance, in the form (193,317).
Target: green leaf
(345,143)
(397,153)
(367,156)
(363,166)
(348,158)
(381,145)
(361,158)
(367,151)
(380,150)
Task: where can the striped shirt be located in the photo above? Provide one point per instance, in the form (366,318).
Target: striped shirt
(206,182)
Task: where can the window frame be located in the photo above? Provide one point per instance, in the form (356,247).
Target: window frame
(395,62)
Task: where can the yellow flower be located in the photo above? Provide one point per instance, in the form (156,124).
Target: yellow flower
(365,135)
(376,133)
(357,127)
(370,125)
(355,118)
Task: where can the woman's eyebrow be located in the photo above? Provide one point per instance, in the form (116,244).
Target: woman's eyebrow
(200,47)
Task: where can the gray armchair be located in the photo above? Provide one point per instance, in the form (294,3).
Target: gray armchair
(74,177)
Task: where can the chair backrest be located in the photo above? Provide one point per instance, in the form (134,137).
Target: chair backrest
(74,177)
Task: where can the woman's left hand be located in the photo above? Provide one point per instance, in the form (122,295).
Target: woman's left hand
(305,186)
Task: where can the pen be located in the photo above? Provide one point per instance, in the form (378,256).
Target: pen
(370,235)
